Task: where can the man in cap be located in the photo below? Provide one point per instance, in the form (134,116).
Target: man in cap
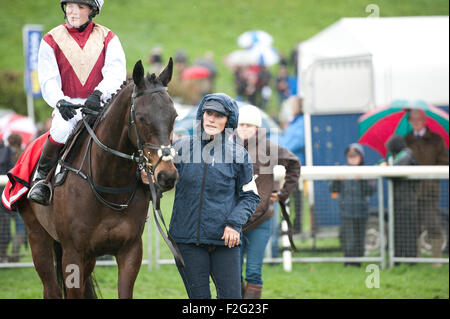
(428,148)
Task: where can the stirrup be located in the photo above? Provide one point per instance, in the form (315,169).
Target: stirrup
(48,185)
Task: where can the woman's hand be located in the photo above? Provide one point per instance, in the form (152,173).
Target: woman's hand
(274,197)
(231,237)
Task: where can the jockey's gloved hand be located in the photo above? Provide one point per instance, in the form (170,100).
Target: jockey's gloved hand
(67,109)
(93,101)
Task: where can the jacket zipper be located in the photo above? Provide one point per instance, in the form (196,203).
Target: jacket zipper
(201,203)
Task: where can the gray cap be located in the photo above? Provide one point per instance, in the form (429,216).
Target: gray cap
(216,106)
(355,147)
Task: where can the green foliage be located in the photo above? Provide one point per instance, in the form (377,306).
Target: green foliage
(13,96)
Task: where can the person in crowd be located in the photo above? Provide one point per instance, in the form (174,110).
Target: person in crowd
(263,87)
(353,196)
(181,61)
(20,236)
(15,143)
(428,148)
(240,82)
(251,85)
(265,155)
(293,139)
(405,201)
(207,61)
(282,84)
(215,196)
(6,163)
(80,64)
(155,59)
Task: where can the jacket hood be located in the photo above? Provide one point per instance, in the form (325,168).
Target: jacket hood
(229,104)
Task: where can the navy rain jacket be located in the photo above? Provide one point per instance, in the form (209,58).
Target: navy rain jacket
(215,187)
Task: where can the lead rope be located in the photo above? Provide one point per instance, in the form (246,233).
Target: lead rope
(156,209)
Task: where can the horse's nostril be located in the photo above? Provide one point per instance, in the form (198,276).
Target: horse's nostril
(166,180)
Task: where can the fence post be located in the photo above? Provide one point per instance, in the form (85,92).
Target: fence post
(381,222)
(287,254)
(391,221)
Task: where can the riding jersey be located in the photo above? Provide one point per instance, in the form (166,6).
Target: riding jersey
(72,64)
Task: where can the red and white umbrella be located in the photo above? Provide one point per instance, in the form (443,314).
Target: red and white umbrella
(20,124)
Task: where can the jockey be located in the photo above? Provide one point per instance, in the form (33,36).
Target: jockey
(80,64)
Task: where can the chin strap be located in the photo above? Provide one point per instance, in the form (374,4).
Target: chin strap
(84,26)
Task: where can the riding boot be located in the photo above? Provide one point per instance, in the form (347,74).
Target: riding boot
(436,249)
(41,192)
(253,291)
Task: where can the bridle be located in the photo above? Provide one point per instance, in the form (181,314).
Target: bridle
(165,153)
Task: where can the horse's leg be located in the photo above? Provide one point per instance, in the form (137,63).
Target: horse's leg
(89,287)
(73,270)
(129,260)
(41,244)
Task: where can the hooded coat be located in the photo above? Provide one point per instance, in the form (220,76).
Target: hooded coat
(353,194)
(216,186)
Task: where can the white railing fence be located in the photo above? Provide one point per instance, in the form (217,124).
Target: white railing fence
(316,180)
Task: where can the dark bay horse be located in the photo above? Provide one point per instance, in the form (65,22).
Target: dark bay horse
(138,121)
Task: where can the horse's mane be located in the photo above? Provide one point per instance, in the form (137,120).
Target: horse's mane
(152,78)
(110,101)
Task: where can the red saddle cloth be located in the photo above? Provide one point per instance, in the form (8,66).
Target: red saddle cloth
(20,175)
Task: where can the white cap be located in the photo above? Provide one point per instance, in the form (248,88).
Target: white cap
(250,114)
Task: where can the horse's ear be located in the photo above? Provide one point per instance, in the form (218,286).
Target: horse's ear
(138,73)
(166,74)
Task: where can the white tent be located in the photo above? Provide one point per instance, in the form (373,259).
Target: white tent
(359,63)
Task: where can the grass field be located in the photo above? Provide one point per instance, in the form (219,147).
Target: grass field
(306,281)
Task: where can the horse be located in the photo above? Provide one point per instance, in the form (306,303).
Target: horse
(85,222)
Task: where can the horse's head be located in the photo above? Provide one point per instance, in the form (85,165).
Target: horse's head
(154,116)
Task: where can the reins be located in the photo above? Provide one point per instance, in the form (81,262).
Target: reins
(165,153)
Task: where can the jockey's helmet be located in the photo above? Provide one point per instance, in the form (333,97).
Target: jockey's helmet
(94,4)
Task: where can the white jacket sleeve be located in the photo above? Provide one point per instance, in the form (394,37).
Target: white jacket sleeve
(48,75)
(114,71)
